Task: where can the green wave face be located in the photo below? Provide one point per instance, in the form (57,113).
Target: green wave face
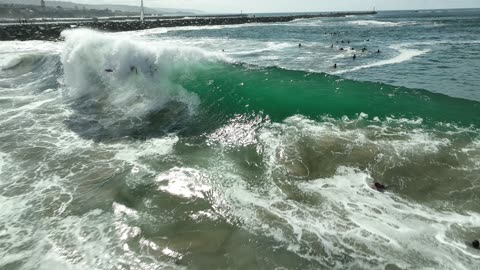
(236,89)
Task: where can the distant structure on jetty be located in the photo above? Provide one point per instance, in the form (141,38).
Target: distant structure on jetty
(42,4)
(142,11)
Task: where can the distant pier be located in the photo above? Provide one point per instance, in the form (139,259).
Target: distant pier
(50,29)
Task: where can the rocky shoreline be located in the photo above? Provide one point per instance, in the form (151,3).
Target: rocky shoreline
(51,31)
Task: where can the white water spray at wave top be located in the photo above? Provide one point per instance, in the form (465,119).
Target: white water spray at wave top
(132,77)
(381,23)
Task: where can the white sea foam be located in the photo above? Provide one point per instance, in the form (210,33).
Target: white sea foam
(305,22)
(404,54)
(26,47)
(151,147)
(241,131)
(9,61)
(441,42)
(247,49)
(381,23)
(133,152)
(183,182)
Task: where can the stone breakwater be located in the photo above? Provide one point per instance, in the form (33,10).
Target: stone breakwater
(51,31)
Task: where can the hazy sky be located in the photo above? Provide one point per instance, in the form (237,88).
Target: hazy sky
(293,5)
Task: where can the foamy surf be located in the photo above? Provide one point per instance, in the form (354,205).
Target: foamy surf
(404,54)
(381,23)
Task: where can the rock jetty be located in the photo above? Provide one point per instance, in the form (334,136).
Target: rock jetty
(52,30)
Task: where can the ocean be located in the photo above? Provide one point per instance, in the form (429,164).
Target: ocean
(232,147)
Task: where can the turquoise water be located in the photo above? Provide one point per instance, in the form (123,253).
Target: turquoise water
(261,156)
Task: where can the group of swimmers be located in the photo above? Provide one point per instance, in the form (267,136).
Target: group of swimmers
(364,49)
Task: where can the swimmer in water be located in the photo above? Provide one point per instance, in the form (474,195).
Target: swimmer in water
(132,68)
(379,187)
(476,244)
(354,56)
(335,66)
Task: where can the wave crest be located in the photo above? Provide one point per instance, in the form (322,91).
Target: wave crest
(382,23)
(129,77)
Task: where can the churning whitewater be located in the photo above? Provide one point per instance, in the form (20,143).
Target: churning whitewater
(133,151)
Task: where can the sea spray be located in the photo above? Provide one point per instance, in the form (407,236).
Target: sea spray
(129,76)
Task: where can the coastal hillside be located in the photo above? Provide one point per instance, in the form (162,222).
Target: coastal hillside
(121,8)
